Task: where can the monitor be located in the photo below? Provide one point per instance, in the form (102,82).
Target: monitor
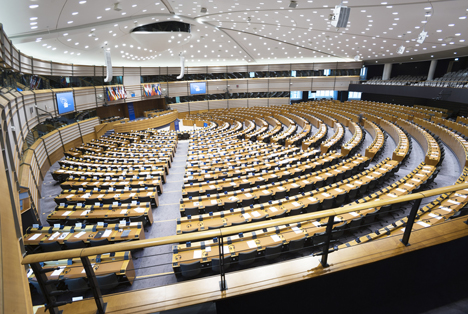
(252,74)
(65,102)
(296,95)
(197,88)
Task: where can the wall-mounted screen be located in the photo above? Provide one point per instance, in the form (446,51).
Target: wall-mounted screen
(197,88)
(296,95)
(65,102)
(354,95)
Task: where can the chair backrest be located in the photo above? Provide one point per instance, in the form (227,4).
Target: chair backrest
(216,261)
(319,237)
(192,211)
(296,245)
(75,245)
(190,269)
(246,258)
(50,247)
(98,242)
(272,252)
(109,281)
(77,285)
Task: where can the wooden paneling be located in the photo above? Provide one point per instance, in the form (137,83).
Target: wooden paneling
(111,111)
(14,290)
(146,123)
(141,106)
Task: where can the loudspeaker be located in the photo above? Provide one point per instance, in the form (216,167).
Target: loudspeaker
(108,63)
(422,37)
(340,16)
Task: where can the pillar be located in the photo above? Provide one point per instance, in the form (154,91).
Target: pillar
(387,70)
(432,68)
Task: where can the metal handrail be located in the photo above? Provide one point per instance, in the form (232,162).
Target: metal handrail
(141,244)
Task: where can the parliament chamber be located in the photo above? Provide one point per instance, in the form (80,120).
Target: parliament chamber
(309,172)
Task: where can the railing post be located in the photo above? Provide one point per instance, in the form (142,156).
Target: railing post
(101,306)
(409,224)
(42,280)
(222,283)
(328,231)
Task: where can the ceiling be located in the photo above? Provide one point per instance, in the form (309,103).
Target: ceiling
(234,32)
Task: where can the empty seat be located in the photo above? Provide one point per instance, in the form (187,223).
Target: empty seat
(319,238)
(107,282)
(340,199)
(247,202)
(327,203)
(295,211)
(338,230)
(296,245)
(313,207)
(76,285)
(190,269)
(247,258)
(50,247)
(215,263)
(279,195)
(352,194)
(191,211)
(272,252)
(229,205)
(211,208)
(75,245)
(354,224)
(98,242)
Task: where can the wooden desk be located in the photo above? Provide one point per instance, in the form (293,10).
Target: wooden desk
(120,263)
(109,196)
(68,234)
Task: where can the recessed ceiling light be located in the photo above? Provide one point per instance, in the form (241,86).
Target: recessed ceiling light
(134,5)
(451,25)
(35,18)
(70,22)
(82,2)
(74,13)
(99,17)
(33,6)
(107,9)
(33,23)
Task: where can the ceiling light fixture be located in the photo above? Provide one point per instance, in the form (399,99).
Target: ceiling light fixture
(293,4)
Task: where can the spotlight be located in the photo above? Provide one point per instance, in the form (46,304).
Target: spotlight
(293,4)
(357,57)
(340,16)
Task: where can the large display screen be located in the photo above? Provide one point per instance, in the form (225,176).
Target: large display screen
(197,88)
(65,102)
(296,95)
